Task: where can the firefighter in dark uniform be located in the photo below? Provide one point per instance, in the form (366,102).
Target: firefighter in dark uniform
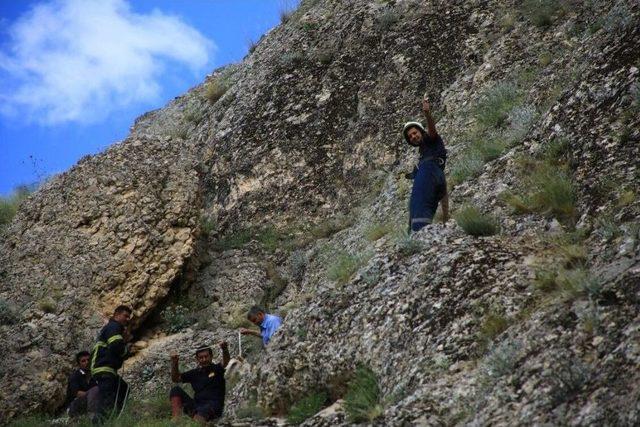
(107,357)
(207,381)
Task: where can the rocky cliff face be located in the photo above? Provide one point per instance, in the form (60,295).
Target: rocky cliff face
(279,181)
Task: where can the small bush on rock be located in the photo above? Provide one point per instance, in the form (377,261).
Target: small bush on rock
(377,231)
(343,267)
(475,223)
(306,407)
(8,313)
(408,246)
(9,205)
(540,12)
(215,90)
(176,318)
(468,165)
(495,104)
(362,401)
(553,192)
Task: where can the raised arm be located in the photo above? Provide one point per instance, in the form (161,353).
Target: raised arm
(431,125)
(225,353)
(176,377)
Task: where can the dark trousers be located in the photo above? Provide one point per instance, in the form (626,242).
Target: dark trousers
(113,392)
(429,187)
(207,410)
(87,403)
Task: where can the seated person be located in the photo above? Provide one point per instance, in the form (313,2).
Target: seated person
(268,324)
(208,384)
(80,382)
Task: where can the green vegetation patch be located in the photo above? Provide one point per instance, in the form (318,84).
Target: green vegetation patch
(546,188)
(541,13)
(306,407)
(344,266)
(8,313)
(9,205)
(362,402)
(377,231)
(214,90)
(494,105)
(475,223)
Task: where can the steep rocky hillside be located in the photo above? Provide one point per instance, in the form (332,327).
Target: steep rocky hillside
(279,181)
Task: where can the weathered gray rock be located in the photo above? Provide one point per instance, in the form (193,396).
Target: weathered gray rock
(308,130)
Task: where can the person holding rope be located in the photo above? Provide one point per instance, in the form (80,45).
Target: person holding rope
(207,381)
(429,183)
(268,324)
(107,357)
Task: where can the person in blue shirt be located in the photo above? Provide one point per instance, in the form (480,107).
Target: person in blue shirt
(429,183)
(268,324)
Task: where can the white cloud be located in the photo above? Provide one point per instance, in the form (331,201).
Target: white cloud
(78,60)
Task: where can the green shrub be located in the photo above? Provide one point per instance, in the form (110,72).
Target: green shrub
(177,318)
(344,266)
(207,225)
(387,19)
(233,241)
(521,118)
(194,114)
(576,283)
(501,360)
(179,131)
(377,231)
(556,149)
(8,313)
(372,276)
(553,192)
(324,56)
(540,12)
(408,246)
(490,148)
(495,104)
(518,204)
(286,12)
(306,407)
(467,165)
(544,59)
(475,223)
(214,90)
(9,205)
(47,305)
(362,402)
(292,58)
(331,226)
(493,325)
(298,265)
(36,420)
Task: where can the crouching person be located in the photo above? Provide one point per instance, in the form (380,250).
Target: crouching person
(80,382)
(207,381)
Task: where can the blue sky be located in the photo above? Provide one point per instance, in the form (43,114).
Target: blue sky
(74,74)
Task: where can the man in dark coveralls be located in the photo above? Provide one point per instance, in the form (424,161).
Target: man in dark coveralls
(207,381)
